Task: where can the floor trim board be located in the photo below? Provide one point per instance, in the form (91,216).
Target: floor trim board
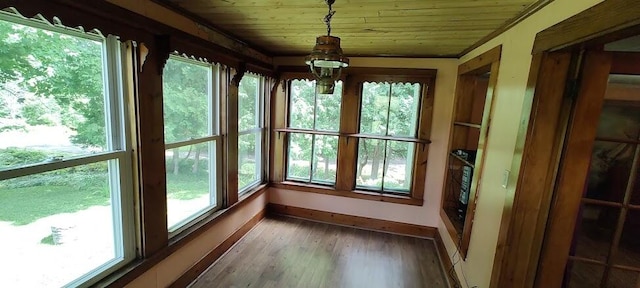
(354,221)
(209,259)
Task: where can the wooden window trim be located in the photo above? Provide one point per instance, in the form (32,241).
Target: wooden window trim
(347,147)
(358,194)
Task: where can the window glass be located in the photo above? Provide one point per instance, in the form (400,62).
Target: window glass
(185,92)
(63,223)
(190,114)
(250,131)
(51,96)
(189,182)
(387,110)
(374,110)
(313,157)
(327,112)
(249,161)
(302,101)
(325,158)
(249,106)
(299,162)
(403,110)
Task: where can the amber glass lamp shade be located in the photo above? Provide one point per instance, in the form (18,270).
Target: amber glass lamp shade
(326,62)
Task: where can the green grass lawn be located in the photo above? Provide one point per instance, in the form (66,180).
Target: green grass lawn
(25,205)
(187,186)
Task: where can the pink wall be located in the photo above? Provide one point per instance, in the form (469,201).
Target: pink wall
(172,267)
(429,213)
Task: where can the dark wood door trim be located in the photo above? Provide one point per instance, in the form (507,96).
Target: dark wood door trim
(602,19)
(518,246)
(574,169)
(524,217)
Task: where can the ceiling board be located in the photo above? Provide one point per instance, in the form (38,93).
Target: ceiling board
(366,27)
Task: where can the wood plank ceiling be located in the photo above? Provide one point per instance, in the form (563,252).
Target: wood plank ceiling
(419,28)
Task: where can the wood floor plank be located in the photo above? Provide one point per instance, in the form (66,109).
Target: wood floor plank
(290,252)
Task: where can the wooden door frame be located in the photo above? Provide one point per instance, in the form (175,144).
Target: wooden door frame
(541,134)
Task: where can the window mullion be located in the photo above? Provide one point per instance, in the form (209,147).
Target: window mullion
(348,146)
(311,166)
(386,131)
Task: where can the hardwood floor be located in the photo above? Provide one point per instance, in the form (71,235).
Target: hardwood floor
(288,252)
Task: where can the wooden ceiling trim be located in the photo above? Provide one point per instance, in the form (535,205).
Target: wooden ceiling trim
(208,25)
(533,8)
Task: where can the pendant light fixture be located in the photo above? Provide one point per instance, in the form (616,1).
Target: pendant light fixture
(326,60)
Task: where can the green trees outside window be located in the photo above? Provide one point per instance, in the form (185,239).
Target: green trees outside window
(65,193)
(191,137)
(387,109)
(250,131)
(313,158)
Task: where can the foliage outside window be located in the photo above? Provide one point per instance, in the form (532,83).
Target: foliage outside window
(66,200)
(368,140)
(312,158)
(192,139)
(250,132)
(387,109)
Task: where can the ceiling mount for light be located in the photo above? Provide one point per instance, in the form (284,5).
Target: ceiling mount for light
(326,60)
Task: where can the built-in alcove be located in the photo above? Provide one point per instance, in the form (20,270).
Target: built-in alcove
(471,119)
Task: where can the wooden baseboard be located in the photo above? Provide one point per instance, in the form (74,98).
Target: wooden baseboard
(446,261)
(210,258)
(354,221)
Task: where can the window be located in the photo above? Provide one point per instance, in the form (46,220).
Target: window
(250,132)
(66,199)
(313,148)
(387,110)
(368,140)
(192,140)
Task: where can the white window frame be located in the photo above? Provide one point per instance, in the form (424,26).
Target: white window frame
(260,131)
(119,152)
(214,140)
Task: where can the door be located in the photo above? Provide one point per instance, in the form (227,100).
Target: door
(593,231)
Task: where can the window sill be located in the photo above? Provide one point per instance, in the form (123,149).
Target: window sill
(358,194)
(138,267)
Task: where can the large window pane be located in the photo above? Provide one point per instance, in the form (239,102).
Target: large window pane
(403,112)
(186,100)
(301,103)
(325,159)
(370,163)
(57,226)
(190,182)
(51,96)
(327,113)
(375,108)
(399,166)
(299,162)
(249,103)
(249,160)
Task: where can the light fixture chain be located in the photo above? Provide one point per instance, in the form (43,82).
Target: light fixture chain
(327,18)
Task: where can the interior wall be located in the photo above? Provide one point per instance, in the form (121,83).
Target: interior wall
(517,44)
(172,267)
(426,215)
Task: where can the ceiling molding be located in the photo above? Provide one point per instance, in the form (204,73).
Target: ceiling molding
(207,24)
(532,9)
